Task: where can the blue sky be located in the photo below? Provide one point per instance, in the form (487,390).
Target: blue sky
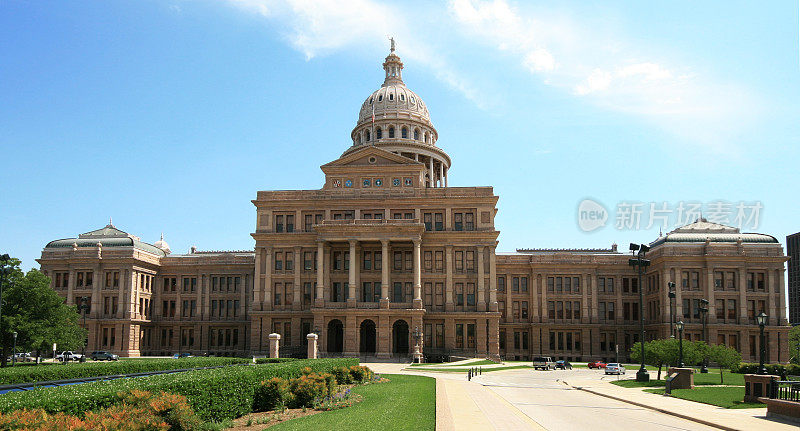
(169,116)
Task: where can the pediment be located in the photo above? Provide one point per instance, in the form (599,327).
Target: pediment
(371,156)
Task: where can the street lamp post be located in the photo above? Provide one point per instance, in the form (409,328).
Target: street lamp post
(679,327)
(671,295)
(14,358)
(704,319)
(761,319)
(640,263)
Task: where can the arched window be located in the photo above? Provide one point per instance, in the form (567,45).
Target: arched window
(425,137)
(391,96)
(391,131)
(378,133)
(402,97)
(370,100)
(380,97)
(367,134)
(416,134)
(404,133)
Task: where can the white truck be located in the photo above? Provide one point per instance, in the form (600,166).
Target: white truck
(544,363)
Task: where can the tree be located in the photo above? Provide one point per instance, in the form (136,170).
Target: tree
(663,352)
(37,313)
(794,345)
(725,357)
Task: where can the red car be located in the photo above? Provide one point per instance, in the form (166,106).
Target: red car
(596,364)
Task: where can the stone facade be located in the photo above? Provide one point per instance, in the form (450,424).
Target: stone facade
(385,255)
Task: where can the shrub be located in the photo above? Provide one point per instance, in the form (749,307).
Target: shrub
(309,388)
(360,373)
(271,394)
(776,369)
(274,360)
(215,395)
(138,410)
(10,375)
(342,375)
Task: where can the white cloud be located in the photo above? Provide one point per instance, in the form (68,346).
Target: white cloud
(610,71)
(322,27)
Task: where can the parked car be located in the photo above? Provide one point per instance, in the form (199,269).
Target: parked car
(543,363)
(615,368)
(19,357)
(182,355)
(563,365)
(104,356)
(596,364)
(69,356)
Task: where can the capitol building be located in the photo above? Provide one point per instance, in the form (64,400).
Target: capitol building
(386,255)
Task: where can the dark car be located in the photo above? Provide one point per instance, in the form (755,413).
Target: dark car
(563,365)
(103,356)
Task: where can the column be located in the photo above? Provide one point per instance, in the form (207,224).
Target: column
(534,297)
(665,301)
(742,274)
(712,304)
(494,343)
(267,299)
(493,280)
(257,285)
(431,176)
(320,300)
(385,273)
(678,288)
(351,285)
(782,298)
(481,279)
(417,275)
(448,285)
(71,287)
(771,312)
(585,317)
(204,281)
(441,174)
(121,292)
(543,284)
(199,298)
(297,303)
(595,295)
(445,178)
(97,300)
(242,297)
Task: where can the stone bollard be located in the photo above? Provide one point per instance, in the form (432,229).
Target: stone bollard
(273,345)
(312,345)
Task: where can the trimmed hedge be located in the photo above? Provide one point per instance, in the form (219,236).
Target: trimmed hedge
(10,375)
(274,360)
(218,394)
(776,369)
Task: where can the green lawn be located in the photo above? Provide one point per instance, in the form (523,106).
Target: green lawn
(726,397)
(710,378)
(404,403)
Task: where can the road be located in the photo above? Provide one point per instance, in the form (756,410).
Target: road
(542,396)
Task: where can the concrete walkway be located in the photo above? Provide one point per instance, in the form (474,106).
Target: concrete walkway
(717,417)
(527,400)
(463,405)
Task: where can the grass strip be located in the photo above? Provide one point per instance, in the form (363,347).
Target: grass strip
(729,397)
(405,403)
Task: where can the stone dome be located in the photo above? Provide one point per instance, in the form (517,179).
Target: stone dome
(394,99)
(396,119)
(161,244)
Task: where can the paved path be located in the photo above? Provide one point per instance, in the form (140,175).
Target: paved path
(549,400)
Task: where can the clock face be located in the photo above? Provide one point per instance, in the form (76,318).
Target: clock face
(378,182)
(337,183)
(348,183)
(367,182)
(396,182)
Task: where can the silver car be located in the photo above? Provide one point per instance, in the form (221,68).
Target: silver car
(615,368)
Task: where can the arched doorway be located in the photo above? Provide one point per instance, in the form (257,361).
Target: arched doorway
(400,337)
(367,337)
(335,336)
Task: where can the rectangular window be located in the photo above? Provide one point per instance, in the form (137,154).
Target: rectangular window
(398,261)
(439,292)
(427,218)
(524,310)
(438,221)
(515,284)
(397,292)
(439,261)
(501,284)
(732,309)
(458,221)
(469,221)
(427,259)
(279,223)
(523,284)
(470,335)
(367,261)
(459,290)
(459,335)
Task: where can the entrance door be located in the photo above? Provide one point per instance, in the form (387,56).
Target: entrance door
(335,336)
(400,337)
(367,337)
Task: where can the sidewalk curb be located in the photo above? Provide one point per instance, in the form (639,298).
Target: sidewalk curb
(660,410)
